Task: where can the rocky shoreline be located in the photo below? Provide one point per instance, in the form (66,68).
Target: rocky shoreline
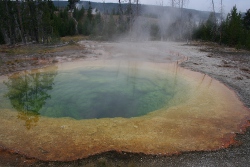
(228,65)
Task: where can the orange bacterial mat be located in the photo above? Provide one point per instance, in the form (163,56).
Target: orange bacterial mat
(204,116)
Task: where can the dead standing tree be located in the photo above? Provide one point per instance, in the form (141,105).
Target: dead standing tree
(213,30)
(181,21)
(221,20)
(130,13)
(178,3)
(133,12)
(137,7)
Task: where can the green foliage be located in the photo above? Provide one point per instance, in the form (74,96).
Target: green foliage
(246,20)
(40,21)
(2,41)
(110,28)
(247,39)
(206,30)
(234,31)
(78,14)
(98,24)
(71,27)
(122,25)
(155,31)
(1,38)
(26,21)
(80,28)
(234,28)
(71,4)
(87,27)
(89,13)
(202,32)
(27,93)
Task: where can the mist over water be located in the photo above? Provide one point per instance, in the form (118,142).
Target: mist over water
(132,22)
(144,102)
(161,23)
(87,93)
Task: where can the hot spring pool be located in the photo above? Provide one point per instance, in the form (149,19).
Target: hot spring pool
(77,109)
(88,92)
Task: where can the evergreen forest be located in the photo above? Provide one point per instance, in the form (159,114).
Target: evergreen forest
(233,31)
(39,21)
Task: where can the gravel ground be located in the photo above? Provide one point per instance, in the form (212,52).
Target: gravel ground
(230,66)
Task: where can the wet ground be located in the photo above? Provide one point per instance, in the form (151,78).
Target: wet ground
(228,65)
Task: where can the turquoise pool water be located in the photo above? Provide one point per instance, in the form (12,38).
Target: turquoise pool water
(86,93)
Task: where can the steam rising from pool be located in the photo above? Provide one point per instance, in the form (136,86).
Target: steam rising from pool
(143,107)
(88,92)
(107,93)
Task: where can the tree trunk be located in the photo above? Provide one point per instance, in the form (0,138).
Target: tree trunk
(214,22)
(221,20)
(137,8)
(20,22)
(9,24)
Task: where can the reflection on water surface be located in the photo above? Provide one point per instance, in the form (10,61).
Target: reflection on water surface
(84,93)
(151,108)
(28,92)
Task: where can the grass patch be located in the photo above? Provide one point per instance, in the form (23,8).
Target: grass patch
(76,38)
(24,50)
(45,49)
(38,49)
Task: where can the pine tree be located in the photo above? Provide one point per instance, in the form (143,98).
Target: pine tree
(78,14)
(89,13)
(2,23)
(98,25)
(33,20)
(8,24)
(80,28)
(111,27)
(71,27)
(71,4)
(1,38)
(246,24)
(20,22)
(246,20)
(234,27)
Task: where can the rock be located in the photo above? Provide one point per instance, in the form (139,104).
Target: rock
(55,61)
(224,61)
(239,78)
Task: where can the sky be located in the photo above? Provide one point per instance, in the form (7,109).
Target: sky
(204,5)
